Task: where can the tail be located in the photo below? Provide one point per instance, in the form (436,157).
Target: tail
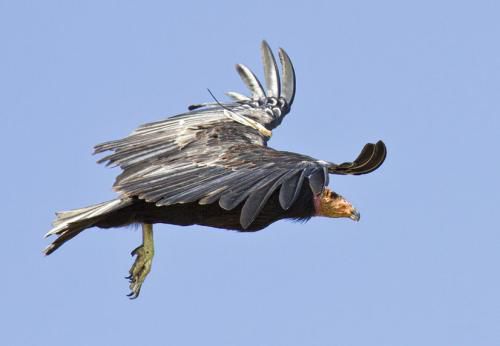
(70,223)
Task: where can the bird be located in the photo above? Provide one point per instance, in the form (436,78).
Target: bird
(211,166)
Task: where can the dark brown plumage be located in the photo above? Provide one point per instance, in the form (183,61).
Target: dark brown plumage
(212,166)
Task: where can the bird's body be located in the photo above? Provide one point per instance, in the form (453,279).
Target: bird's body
(211,215)
(211,166)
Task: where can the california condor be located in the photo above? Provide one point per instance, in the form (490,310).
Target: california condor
(211,166)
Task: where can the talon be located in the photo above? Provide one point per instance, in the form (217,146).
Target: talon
(134,251)
(142,264)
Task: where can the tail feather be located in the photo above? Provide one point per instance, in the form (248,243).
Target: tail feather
(70,223)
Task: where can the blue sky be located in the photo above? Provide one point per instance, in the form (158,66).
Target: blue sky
(421,268)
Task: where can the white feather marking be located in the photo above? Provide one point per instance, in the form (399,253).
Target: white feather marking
(84,214)
(237,96)
(248,122)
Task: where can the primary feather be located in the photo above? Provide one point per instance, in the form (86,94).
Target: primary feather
(215,160)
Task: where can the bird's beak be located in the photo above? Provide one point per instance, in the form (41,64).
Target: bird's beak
(355,215)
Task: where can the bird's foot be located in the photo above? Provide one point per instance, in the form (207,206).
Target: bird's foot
(142,265)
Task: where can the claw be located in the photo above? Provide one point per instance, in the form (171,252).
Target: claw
(134,251)
(142,264)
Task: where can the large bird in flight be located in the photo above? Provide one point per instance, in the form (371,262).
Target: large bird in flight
(211,166)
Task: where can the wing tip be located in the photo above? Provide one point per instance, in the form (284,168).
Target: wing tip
(271,74)
(288,83)
(371,157)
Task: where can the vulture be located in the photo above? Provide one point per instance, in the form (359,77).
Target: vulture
(211,166)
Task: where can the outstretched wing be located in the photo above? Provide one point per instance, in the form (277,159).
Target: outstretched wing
(262,111)
(223,166)
(218,152)
(226,165)
(201,154)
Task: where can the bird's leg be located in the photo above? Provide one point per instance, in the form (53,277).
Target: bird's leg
(142,265)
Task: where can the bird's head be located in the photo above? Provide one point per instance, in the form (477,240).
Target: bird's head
(331,204)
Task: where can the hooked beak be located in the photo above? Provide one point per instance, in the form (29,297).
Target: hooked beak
(355,215)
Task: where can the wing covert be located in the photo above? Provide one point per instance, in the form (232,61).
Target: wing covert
(238,173)
(260,112)
(217,152)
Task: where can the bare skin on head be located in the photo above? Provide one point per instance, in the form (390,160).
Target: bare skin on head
(331,204)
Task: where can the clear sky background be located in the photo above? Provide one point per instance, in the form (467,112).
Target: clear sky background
(422,266)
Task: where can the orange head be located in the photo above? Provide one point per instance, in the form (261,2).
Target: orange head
(331,204)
